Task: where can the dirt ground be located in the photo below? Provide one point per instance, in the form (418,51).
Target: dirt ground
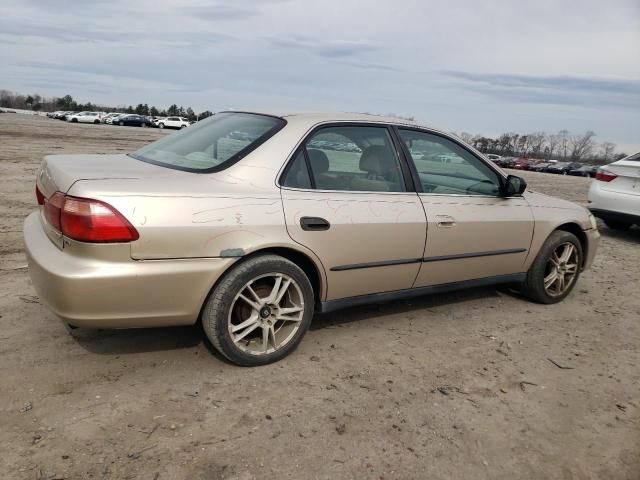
(450,386)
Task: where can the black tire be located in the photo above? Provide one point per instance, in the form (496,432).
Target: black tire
(143,125)
(182,126)
(121,124)
(617,224)
(161,125)
(96,122)
(74,120)
(533,286)
(215,314)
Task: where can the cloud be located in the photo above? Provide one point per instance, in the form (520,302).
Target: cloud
(559,90)
(324,48)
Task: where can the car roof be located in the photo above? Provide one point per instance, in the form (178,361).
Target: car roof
(313,118)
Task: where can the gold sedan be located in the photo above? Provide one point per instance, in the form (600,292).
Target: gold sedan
(251,222)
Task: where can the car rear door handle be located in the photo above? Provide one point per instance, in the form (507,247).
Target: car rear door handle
(445,221)
(314,224)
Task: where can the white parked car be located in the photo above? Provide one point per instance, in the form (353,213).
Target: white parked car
(174,122)
(86,117)
(614,195)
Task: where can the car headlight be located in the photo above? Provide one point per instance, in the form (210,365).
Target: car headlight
(592,219)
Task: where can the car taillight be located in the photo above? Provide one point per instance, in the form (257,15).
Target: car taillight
(605,175)
(53,208)
(88,220)
(39,196)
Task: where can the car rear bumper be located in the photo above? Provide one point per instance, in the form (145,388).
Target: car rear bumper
(100,293)
(611,204)
(617,216)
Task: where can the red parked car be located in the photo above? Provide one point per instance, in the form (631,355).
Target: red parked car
(522,163)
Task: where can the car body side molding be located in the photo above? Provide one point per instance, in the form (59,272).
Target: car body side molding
(333,305)
(474,254)
(404,261)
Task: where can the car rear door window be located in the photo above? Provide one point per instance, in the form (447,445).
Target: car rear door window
(351,158)
(446,168)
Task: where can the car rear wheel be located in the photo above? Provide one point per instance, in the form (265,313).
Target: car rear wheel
(617,225)
(555,270)
(161,125)
(260,311)
(96,122)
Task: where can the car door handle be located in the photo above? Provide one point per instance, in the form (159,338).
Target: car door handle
(445,221)
(314,224)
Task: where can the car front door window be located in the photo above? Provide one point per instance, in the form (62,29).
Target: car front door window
(446,168)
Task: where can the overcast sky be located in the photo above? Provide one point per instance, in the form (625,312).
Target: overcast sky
(477,66)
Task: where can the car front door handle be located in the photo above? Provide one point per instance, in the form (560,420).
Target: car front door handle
(315,224)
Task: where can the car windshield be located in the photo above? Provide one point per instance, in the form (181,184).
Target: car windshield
(212,144)
(635,157)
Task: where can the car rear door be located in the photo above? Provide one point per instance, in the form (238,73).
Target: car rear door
(472,232)
(347,197)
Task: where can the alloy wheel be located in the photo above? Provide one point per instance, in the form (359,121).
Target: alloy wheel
(266,314)
(561,269)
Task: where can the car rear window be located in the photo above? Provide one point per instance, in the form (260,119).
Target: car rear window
(635,157)
(212,144)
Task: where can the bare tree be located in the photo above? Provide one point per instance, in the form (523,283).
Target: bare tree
(607,149)
(537,141)
(563,135)
(553,142)
(582,145)
(466,137)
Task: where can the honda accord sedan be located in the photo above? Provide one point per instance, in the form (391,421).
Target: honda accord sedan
(250,223)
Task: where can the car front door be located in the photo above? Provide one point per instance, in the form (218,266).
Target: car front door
(473,231)
(346,197)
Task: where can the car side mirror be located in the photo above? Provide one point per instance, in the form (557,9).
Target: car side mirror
(514,185)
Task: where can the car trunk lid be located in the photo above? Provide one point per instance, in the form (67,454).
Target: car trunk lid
(628,177)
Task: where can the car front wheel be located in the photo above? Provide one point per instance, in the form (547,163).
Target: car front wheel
(555,270)
(260,311)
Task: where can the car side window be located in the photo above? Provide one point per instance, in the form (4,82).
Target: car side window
(297,173)
(444,167)
(354,158)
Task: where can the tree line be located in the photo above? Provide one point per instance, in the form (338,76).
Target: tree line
(38,103)
(564,145)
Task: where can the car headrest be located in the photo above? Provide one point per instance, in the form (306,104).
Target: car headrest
(319,161)
(373,161)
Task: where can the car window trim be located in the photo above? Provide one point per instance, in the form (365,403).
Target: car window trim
(404,168)
(500,175)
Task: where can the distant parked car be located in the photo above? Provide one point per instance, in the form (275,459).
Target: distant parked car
(85,117)
(108,118)
(132,120)
(522,163)
(506,162)
(614,195)
(174,122)
(562,168)
(62,115)
(157,120)
(540,167)
(493,157)
(584,171)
